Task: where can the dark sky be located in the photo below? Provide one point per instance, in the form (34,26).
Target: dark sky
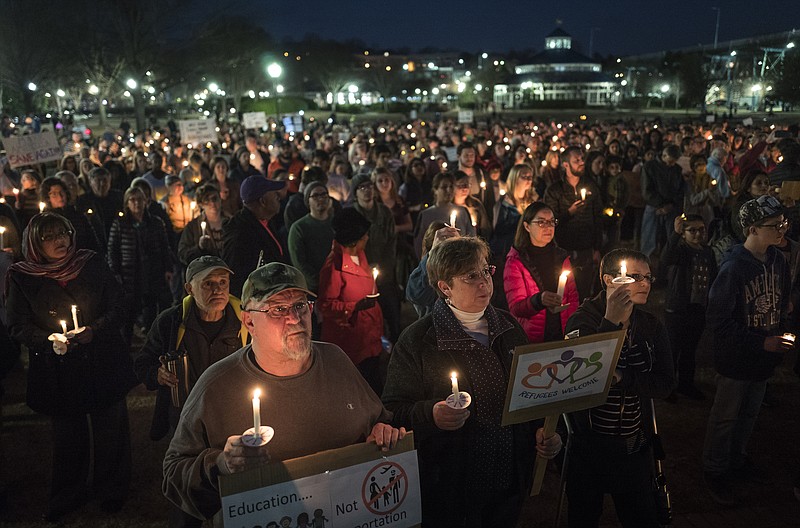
(624,26)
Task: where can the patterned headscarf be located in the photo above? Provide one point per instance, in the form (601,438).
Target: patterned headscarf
(36,264)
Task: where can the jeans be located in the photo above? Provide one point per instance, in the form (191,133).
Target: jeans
(656,228)
(731,422)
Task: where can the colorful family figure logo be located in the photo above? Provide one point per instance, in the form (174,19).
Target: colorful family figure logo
(570,369)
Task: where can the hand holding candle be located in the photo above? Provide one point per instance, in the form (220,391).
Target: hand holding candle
(623,275)
(258,435)
(457,399)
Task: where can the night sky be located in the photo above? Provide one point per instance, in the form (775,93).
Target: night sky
(625,27)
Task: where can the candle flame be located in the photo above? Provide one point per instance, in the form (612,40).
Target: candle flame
(375,273)
(42,205)
(453,374)
(564,274)
(2,229)
(623,268)
(256,394)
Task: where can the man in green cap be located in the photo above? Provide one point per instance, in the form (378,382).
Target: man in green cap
(306,387)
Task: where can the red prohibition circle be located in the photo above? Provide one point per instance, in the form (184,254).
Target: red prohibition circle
(400,477)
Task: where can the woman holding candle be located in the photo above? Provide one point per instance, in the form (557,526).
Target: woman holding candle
(203,235)
(56,196)
(471,468)
(351,317)
(532,277)
(94,374)
(228,188)
(442,210)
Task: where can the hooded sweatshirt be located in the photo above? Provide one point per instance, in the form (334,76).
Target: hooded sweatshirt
(747,303)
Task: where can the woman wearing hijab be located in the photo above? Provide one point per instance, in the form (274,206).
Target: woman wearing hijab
(81,383)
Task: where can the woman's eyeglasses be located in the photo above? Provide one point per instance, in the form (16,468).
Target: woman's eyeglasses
(476,276)
(694,230)
(52,237)
(545,223)
(638,277)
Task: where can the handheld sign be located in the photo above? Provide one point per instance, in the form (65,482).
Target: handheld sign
(197,131)
(549,379)
(32,149)
(254,119)
(357,485)
(465,116)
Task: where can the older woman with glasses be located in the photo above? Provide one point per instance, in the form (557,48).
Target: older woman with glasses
(473,471)
(85,372)
(531,278)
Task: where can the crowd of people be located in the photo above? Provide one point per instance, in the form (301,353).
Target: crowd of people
(282,260)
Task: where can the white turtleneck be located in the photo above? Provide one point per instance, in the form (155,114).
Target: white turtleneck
(474,324)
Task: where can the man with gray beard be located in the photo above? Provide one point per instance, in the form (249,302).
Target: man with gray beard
(312,396)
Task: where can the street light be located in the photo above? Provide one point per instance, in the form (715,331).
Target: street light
(664,90)
(213,87)
(790,45)
(130,83)
(32,86)
(274,70)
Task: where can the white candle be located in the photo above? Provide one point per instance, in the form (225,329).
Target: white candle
(623,269)
(789,337)
(75,316)
(583,194)
(454,383)
(562,283)
(257,412)
(63,327)
(375,280)
(203,228)
(42,205)
(453,215)
(2,232)
(192,205)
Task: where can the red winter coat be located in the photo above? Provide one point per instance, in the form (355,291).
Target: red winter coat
(341,285)
(520,286)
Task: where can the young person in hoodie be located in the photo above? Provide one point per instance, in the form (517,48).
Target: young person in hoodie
(747,311)
(612,444)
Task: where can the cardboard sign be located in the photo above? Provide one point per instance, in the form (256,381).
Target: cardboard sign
(465,116)
(32,149)
(790,189)
(710,118)
(353,486)
(561,376)
(197,131)
(254,120)
(747,121)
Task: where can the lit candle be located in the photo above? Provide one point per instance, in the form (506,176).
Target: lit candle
(2,233)
(15,191)
(789,337)
(454,383)
(203,228)
(623,269)
(375,280)
(192,205)
(713,182)
(89,211)
(75,316)
(42,205)
(453,215)
(562,283)
(257,412)
(63,327)
(583,194)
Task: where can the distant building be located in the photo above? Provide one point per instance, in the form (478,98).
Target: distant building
(559,73)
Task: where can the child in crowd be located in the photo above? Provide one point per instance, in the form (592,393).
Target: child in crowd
(747,311)
(690,268)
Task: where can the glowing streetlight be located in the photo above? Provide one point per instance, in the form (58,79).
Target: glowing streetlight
(32,86)
(130,83)
(213,87)
(790,45)
(60,92)
(274,70)
(664,88)
(94,90)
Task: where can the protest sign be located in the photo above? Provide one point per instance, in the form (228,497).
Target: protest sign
(549,379)
(196,131)
(465,116)
(254,119)
(747,121)
(32,149)
(358,485)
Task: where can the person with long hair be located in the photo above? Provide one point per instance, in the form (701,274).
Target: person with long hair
(79,382)
(55,194)
(228,188)
(533,267)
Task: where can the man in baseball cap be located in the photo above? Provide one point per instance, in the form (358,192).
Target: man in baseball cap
(248,234)
(308,387)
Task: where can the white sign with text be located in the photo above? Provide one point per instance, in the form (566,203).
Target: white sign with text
(32,149)
(196,131)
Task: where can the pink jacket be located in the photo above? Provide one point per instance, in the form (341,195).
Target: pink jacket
(341,285)
(520,286)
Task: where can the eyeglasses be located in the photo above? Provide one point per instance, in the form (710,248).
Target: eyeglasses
(477,276)
(778,227)
(52,237)
(545,223)
(281,311)
(462,186)
(638,277)
(526,178)
(364,187)
(694,230)
(319,196)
